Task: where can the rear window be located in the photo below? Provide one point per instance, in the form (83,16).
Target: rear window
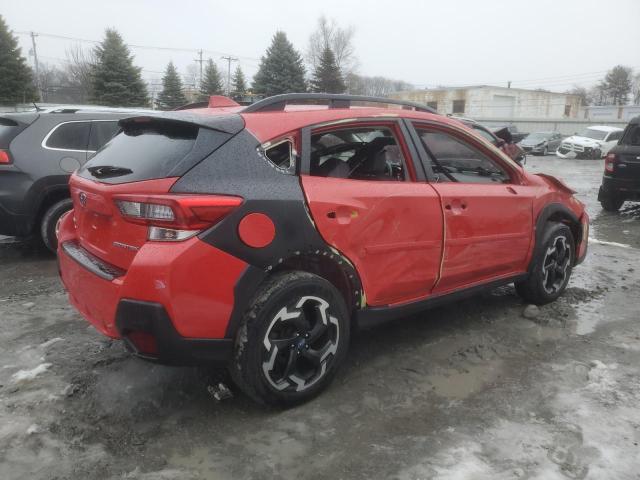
(69,136)
(143,151)
(101,133)
(631,136)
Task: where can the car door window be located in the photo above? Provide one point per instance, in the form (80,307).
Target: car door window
(454,160)
(69,136)
(357,153)
(101,133)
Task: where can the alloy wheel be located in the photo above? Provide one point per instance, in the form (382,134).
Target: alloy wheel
(300,345)
(556,264)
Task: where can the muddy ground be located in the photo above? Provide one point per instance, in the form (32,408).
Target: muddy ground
(468,391)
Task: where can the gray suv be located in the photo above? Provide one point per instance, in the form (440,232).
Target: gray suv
(38,152)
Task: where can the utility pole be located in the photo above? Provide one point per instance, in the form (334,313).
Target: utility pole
(509,84)
(200,60)
(229,59)
(35,61)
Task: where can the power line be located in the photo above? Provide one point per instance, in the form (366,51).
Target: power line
(229,59)
(147,47)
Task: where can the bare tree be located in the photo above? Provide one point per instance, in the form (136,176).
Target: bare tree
(635,90)
(374,86)
(79,68)
(582,93)
(338,39)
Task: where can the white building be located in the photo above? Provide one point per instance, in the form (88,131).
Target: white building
(609,112)
(483,101)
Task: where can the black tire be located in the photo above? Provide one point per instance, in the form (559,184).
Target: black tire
(313,336)
(50,221)
(551,268)
(611,202)
(596,154)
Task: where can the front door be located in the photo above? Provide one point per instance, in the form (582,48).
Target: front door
(488,217)
(365,202)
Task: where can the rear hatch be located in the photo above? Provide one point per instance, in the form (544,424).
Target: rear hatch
(10,126)
(129,179)
(627,153)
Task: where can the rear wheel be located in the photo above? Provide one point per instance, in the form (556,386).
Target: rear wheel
(49,223)
(292,340)
(611,202)
(552,266)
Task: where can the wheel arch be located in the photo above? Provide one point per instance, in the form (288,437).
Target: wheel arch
(556,212)
(329,265)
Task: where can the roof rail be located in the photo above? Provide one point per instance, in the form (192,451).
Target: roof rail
(332,100)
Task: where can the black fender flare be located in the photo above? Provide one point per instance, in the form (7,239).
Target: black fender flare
(555,212)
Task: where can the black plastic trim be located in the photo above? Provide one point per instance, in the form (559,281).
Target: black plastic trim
(173,349)
(373,316)
(90,262)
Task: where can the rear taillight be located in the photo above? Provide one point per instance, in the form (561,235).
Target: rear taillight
(173,218)
(5,159)
(610,162)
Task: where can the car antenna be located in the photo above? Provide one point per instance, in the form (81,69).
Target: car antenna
(38,109)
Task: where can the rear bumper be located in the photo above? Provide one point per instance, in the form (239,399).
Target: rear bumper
(181,295)
(626,188)
(15,225)
(170,347)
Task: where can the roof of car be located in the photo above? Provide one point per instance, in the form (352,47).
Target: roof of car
(269,125)
(635,120)
(605,128)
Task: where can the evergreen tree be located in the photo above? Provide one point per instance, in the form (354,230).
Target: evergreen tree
(281,69)
(238,83)
(115,81)
(211,81)
(327,77)
(16,79)
(618,83)
(171,95)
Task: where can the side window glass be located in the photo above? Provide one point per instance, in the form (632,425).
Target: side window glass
(101,133)
(454,160)
(281,155)
(69,136)
(362,153)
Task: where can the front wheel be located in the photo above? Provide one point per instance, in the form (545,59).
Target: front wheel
(49,223)
(551,268)
(291,340)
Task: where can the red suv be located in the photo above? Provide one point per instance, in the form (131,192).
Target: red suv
(258,237)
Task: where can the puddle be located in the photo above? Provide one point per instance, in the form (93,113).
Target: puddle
(588,315)
(459,384)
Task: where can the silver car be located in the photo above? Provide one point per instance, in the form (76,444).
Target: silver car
(541,143)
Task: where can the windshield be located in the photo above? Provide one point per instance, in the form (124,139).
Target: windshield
(538,137)
(592,133)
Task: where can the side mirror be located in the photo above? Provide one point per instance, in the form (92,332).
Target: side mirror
(500,143)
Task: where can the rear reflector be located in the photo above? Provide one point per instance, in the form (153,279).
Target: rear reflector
(4,157)
(610,162)
(144,342)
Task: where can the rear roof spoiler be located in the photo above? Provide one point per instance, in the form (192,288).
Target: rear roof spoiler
(230,123)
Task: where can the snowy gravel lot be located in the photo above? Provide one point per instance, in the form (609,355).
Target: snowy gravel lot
(468,391)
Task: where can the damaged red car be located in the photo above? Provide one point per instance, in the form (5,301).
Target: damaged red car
(259,237)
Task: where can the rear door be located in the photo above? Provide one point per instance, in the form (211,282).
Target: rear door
(361,188)
(487,212)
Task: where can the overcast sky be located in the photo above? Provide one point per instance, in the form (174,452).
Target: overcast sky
(550,44)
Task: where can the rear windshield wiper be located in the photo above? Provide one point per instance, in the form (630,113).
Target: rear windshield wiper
(108,171)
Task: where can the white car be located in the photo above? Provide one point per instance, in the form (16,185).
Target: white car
(592,142)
